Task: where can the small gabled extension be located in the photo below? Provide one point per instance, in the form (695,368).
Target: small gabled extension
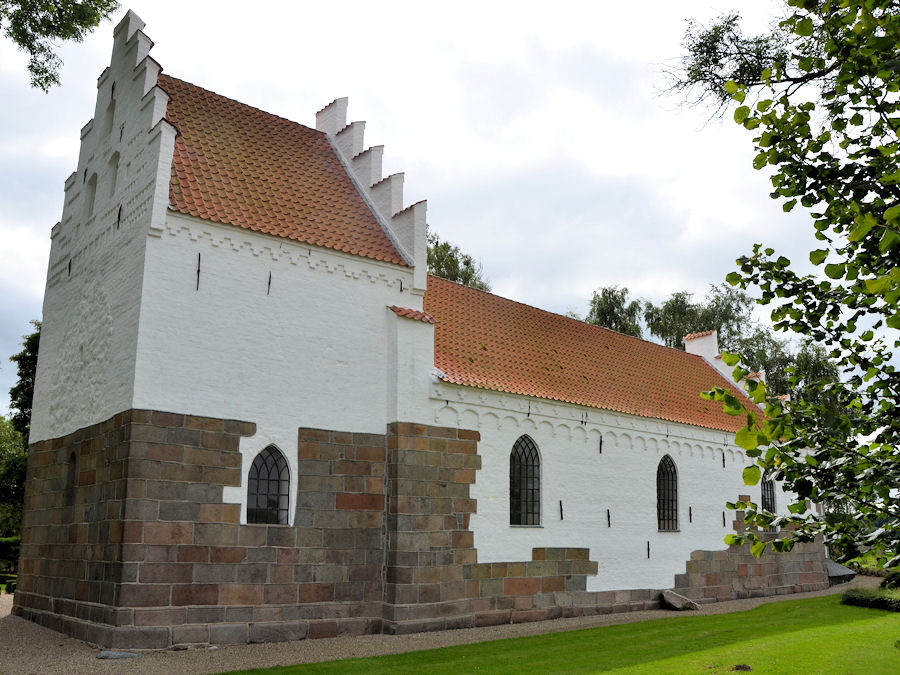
(384,194)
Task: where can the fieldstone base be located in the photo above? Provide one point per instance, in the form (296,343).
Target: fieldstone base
(127,543)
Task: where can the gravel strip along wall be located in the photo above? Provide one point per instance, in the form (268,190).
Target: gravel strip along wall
(127,542)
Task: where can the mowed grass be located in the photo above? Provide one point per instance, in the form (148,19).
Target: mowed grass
(817,635)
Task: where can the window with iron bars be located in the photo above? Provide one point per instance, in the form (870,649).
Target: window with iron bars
(667,494)
(524,483)
(268,488)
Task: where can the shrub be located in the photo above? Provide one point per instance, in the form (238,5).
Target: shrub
(876,598)
(892,580)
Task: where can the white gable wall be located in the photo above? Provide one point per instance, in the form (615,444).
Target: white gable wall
(622,479)
(310,349)
(117,193)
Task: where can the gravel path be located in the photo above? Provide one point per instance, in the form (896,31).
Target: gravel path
(27,648)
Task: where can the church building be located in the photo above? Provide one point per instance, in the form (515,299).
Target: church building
(258,418)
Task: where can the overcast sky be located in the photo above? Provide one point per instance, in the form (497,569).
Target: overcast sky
(536,131)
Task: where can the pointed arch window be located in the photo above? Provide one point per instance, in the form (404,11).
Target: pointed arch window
(524,483)
(768,496)
(667,495)
(269,488)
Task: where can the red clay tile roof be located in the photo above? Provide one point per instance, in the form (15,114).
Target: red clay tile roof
(692,336)
(412,313)
(241,166)
(483,340)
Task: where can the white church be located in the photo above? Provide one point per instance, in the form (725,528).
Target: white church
(257,417)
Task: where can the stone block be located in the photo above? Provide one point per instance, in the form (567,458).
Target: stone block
(229,633)
(519,586)
(678,601)
(144,595)
(282,631)
(323,629)
(190,635)
(240,594)
(195,594)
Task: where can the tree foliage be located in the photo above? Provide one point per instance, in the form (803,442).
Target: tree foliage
(22,393)
(35,26)
(824,111)
(446,261)
(13,459)
(610,308)
(724,309)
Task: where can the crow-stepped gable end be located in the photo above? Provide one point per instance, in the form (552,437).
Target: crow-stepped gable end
(257,418)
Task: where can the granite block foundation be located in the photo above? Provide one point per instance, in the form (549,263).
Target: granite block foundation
(127,543)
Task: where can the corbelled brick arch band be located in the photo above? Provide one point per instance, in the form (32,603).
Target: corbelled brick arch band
(141,552)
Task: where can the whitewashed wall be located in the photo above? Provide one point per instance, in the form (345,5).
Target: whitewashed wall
(622,479)
(117,193)
(309,349)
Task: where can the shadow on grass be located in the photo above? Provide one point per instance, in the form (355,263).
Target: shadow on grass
(606,647)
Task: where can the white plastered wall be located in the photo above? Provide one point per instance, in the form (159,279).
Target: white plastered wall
(116,195)
(310,348)
(621,478)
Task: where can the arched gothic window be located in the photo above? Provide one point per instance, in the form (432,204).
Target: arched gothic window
(768,496)
(524,483)
(269,488)
(667,494)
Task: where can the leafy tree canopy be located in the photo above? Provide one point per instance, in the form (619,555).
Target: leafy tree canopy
(820,96)
(13,460)
(724,309)
(22,393)
(35,26)
(610,308)
(446,261)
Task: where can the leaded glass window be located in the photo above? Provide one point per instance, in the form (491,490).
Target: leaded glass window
(524,483)
(667,494)
(269,488)
(768,497)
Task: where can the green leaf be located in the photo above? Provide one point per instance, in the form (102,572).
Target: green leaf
(730,87)
(835,270)
(747,438)
(797,508)
(758,549)
(892,214)
(733,278)
(752,475)
(888,240)
(818,256)
(878,286)
(789,206)
(804,27)
(731,359)
(733,540)
(741,114)
(862,227)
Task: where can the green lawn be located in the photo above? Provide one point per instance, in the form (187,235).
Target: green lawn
(817,635)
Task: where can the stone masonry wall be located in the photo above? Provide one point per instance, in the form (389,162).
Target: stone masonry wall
(433,578)
(131,546)
(149,556)
(714,576)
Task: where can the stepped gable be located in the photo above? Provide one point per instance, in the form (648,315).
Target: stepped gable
(237,165)
(483,340)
